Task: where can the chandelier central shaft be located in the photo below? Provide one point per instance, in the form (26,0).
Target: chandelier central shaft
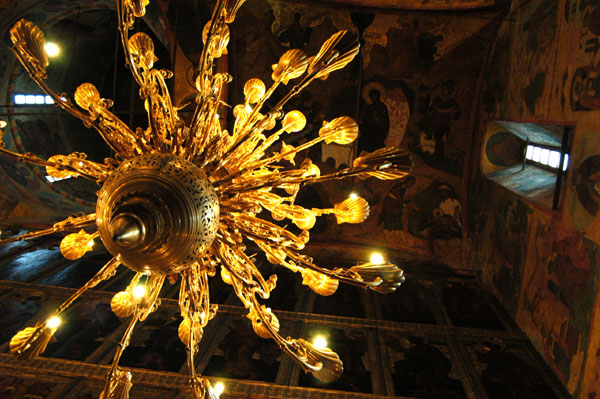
(158,212)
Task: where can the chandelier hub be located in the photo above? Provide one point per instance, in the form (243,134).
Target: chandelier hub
(158,212)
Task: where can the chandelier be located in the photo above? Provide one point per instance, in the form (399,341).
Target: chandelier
(184,200)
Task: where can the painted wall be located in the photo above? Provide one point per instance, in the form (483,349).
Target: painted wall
(412,86)
(543,264)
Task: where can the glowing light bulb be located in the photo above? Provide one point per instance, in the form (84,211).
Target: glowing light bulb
(51,49)
(3,124)
(90,243)
(248,108)
(320,342)
(353,196)
(377,258)
(139,291)
(219,388)
(53,322)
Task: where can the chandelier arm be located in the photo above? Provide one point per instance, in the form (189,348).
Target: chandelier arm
(150,80)
(292,347)
(252,121)
(259,151)
(114,372)
(251,124)
(325,66)
(35,160)
(311,75)
(205,66)
(260,182)
(117,134)
(126,21)
(232,153)
(142,308)
(25,35)
(201,146)
(76,165)
(270,178)
(383,278)
(150,302)
(335,53)
(197,140)
(285,154)
(253,226)
(239,264)
(106,272)
(373,171)
(63,102)
(162,103)
(194,288)
(70,223)
(197,385)
(275,158)
(293,125)
(194,296)
(323,363)
(275,111)
(296,89)
(349,278)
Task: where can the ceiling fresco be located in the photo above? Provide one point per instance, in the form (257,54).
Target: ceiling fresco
(432,5)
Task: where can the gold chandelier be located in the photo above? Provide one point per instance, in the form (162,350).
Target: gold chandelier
(183,200)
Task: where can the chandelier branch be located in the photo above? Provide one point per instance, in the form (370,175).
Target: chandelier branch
(71,223)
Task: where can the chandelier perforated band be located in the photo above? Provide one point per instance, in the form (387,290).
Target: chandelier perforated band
(185,200)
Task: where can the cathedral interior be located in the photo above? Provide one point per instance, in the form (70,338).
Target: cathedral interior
(497,227)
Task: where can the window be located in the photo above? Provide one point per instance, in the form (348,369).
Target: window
(549,157)
(55,179)
(529,159)
(33,99)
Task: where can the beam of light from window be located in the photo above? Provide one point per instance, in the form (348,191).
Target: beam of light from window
(566,162)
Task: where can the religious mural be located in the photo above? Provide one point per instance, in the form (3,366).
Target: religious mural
(559,284)
(543,265)
(533,49)
(578,63)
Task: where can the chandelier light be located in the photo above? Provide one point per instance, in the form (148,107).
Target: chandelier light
(184,200)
